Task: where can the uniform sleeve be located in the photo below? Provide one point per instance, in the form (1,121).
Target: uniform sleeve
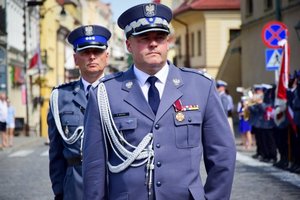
(225,103)
(94,161)
(57,162)
(219,150)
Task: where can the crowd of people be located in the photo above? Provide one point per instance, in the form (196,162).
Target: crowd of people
(275,133)
(277,140)
(7,121)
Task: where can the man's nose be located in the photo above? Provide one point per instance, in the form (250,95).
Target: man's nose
(92,54)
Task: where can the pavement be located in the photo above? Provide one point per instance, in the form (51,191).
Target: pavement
(22,141)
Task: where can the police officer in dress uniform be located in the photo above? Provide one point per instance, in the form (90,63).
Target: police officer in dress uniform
(262,111)
(148,128)
(295,137)
(221,86)
(254,120)
(67,108)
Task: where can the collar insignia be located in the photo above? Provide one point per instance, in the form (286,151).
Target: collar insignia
(129,84)
(176,81)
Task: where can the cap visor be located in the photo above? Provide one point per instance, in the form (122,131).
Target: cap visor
(150,30)
(91,46)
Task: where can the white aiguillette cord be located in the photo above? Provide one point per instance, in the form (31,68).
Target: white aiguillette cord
(79,132)
(143,152)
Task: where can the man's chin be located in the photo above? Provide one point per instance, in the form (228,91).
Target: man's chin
(154,61)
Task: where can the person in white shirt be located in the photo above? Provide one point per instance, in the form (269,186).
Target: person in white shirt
(3,117)
(10,123)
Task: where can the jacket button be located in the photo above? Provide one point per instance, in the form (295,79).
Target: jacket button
(158,164)
(157,145)
(156,126)
(189,120)
(158,183)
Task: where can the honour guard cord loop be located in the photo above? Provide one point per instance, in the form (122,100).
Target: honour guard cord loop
(143,152)
(78,133)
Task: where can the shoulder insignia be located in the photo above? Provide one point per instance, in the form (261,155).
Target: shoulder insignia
(111,76)
(207,75)
(65,84)
(197,71)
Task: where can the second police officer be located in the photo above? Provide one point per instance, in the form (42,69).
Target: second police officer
(67,108)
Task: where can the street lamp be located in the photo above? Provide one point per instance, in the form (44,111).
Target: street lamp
(297,29)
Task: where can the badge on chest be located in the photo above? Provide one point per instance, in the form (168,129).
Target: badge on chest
(180,109)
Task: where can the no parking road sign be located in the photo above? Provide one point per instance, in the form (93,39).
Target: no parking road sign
(273,32)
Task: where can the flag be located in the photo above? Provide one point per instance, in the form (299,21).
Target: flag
(282,110)
(282,86)
(35,61)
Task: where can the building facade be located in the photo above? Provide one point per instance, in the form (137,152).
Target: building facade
(203,30)
(3,51)
(255,14)
(22,39)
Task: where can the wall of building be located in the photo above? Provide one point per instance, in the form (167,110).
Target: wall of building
(217,35)
(19,81)
(253,48)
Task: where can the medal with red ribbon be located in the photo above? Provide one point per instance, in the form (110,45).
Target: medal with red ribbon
(178,105)
(178,109)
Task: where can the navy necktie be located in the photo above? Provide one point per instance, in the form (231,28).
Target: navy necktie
(88,89)
(153,94)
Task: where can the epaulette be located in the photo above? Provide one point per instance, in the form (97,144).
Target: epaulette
(65,85)
(111,76)
(197,71)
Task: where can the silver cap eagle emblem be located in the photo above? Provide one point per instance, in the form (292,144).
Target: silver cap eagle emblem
(88,31)
(150,10)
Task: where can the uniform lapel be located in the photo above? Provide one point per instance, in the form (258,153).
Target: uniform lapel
(79,95)
(171,91)
(135,95)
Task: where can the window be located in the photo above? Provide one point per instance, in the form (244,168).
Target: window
(268,4)
(249,7)
(192,44)
(233,33)
(199,43)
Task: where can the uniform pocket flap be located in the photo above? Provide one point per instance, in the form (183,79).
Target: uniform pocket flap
(187,118)
(126,123)
(69,119)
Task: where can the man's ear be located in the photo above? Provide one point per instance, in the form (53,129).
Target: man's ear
(107,54)
(128,45)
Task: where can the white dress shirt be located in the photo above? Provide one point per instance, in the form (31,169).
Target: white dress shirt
(142,77)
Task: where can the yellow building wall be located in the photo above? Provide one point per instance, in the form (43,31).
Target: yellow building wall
(55,48)
(217,36)
(49,26)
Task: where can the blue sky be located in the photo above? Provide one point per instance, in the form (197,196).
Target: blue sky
(119,6)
